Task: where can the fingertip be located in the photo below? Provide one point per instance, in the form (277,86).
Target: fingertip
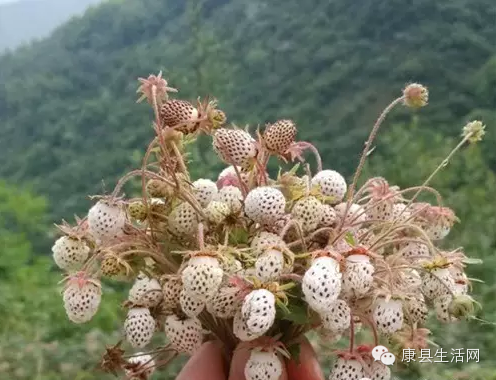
(307,367)
(206,364)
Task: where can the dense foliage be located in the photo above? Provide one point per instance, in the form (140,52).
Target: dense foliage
(330,68)
(64,100)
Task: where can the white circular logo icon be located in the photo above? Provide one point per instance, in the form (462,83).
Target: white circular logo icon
(378,351)
(388,358)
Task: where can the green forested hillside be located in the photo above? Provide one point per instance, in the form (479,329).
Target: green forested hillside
(66,103)
(68,120)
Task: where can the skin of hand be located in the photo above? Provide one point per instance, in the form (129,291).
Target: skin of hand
(208,364)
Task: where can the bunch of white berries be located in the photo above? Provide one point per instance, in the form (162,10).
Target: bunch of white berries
(236,257)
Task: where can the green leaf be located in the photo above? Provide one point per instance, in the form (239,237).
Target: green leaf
(350,239)
(296,313)
(238,236)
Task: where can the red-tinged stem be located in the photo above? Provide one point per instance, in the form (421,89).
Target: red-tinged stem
(372,327)
(316,153)
(365,153)
(352,332)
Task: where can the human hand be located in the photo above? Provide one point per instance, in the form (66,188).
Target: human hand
(208,364)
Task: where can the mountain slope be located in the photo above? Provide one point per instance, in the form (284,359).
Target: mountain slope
(330,65)
(25,20)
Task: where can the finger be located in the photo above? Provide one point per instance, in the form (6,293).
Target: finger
(238,364)
(307,367)
(206,364)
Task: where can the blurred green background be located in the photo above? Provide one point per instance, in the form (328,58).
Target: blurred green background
(68,121)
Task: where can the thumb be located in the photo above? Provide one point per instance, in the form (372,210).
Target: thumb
(206,364)
(307,366)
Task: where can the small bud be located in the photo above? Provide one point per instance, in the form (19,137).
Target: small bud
(462,306)
(110,266)
(474,131)
(157,188)
(415,95)
(218,118)
(137,210)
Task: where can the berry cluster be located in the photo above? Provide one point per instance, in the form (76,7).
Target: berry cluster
(237,258)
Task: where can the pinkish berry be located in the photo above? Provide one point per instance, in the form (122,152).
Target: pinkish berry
(235,147)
